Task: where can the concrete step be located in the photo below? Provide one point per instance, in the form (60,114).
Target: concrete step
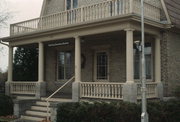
(37,113)
(39,108)
(25,98)
(42,103)
(31,118)
(57,99)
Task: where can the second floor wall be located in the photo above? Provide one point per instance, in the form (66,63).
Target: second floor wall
(55,6)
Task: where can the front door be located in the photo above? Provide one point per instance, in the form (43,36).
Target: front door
(101,67)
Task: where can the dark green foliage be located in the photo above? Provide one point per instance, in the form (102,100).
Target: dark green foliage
(98,112)
(168,111)
(177,91)
(6,105)
(25,66)
(159,111)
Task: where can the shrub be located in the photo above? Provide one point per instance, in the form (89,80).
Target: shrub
(159,111)
(6,105)
(177,91)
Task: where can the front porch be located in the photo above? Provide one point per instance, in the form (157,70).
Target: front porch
(103,66)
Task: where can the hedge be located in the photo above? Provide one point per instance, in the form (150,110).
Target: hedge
(159,111)
(6,105)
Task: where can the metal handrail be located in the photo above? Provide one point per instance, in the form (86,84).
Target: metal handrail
(47,99)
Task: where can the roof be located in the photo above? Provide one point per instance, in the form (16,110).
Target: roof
(173,8)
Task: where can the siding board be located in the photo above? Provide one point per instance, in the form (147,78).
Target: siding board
(173,7)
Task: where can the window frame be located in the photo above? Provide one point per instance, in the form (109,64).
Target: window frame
(95,66)
(72,4)
(57,63)
(152,64)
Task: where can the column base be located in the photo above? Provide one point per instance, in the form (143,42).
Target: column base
(40,89)
(160,90)
(7,88)
(129,92)
(75,92)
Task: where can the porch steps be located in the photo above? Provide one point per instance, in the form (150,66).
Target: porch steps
(38,111)
(25,98)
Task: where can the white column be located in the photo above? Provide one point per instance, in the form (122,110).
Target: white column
(41,63)
(10,64)
(77,59)
(129,56)
(157,60)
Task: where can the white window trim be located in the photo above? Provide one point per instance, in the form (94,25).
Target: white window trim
(65,4)
(95,66)
(57,66)
(152,65)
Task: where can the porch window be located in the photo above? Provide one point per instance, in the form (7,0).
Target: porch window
(148,61)
(64,65)
(101,66)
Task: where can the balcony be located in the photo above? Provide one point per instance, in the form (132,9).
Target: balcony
(87,13)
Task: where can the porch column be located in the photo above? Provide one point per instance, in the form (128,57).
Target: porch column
(10,64)
(158,67)
(41,63)
(40,85)
(77,59)
(10,71)
(129,56)
(130,87)
(75,87)
(157,60)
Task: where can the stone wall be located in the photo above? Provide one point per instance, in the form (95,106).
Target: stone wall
(170,61)
(173,60)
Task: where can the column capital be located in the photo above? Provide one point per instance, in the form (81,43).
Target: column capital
(77,37)
(129,29)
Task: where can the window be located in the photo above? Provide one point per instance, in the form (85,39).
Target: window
(70,4)
(148,61)
(64,65)
(101,66)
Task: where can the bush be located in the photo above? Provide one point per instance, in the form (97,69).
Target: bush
(118,112)
(177,92)
(6,105)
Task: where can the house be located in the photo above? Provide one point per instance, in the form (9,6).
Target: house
(94,44)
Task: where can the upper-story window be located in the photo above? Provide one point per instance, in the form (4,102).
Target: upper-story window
(70,4)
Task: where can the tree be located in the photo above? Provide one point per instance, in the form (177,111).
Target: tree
(25,65)
(4,13)
(3,78)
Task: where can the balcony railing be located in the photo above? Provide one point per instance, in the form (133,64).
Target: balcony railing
(86,13)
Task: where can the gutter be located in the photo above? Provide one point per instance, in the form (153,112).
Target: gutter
(4,43)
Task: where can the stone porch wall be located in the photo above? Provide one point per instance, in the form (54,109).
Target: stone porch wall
(117,60)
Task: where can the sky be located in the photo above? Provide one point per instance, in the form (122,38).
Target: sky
(19,10)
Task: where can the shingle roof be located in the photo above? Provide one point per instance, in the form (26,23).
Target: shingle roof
(173,8)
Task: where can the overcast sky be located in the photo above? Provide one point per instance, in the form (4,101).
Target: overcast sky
(20,10)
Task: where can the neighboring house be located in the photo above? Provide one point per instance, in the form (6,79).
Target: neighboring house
(96,41)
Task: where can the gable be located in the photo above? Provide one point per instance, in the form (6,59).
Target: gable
(173,8)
